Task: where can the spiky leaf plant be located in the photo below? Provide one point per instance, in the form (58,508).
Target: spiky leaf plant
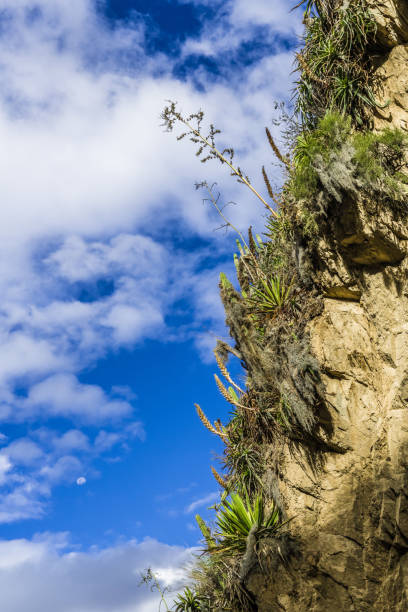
(245,466)
(237,517)
(273,295)
(335,63)
(187,601)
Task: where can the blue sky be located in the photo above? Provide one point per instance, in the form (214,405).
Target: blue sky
(109,262)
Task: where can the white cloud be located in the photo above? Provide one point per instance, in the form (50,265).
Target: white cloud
(86,139)
(66,469)
(277,16)
(25,500)
(73,439)
(64,395)
(239,22)
(105,440)
(15,553)
(101,580)
(99,150)
(131,323)
(79,260)
(23,355)
(5,466)
(23,452)
(94,194)
(203,501)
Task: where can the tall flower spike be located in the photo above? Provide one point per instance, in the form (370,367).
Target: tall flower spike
(275,149)
(207,423)
(229,395)
(218,478)
(225,372)
(267,183)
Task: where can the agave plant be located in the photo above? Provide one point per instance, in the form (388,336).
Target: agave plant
(187,601)
(326,57)
(237,517)
(273,295)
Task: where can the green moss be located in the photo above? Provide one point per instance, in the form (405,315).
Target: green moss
(379,158)
(308,222)
(327,138)
(355,161)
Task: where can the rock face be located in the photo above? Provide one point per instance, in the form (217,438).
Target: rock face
(392,73)
(392,21)
(393,89)
(350,508)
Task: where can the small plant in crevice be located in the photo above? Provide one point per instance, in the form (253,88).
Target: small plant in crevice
(243,462)
(238,519)
(271,295)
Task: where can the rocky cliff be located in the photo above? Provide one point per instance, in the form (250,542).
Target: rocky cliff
(349,506)
(313,513)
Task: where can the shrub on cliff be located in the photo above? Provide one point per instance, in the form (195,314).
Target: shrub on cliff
(338,160)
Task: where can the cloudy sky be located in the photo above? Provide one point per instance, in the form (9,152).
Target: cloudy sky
(109,261)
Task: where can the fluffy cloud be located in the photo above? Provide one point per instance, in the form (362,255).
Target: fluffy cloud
(23,451)
(86,136)
(5,466)
(71,440)
(63,395)
(278,17)
(100,580)
(242,27)
(96,201)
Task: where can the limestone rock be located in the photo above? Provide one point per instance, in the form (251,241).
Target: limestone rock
(392,89)
(349,509)
(392,21)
